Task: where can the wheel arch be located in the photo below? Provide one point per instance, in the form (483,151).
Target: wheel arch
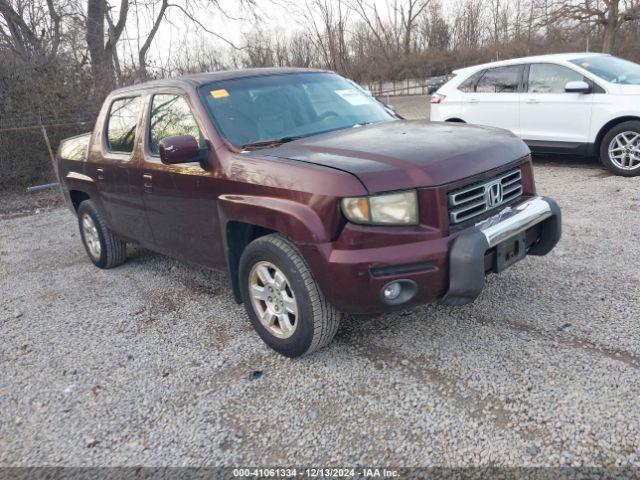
(77,197)
(236,238)
(455,120)
(608,126)
(245,218)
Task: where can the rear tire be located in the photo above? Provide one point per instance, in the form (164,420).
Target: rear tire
(283,300)
(620,149)
(104,248)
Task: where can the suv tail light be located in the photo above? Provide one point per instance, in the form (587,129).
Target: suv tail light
(437,98)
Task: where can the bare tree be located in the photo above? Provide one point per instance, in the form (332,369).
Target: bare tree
(31,30)
(144,49)
(328,23)
(101,51)
(409,12)
(436,29)
(469,24)
(380,30)
(610,15)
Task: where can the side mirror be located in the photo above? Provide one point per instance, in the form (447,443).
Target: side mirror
(179,149)
(577,87)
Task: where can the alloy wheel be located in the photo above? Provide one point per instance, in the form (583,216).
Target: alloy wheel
(273,299)
(91,237)
(624,150)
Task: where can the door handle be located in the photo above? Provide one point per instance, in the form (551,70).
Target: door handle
(474,100)
(100,174)
(147,182)
(532,100)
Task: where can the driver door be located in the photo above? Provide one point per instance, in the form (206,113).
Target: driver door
(181,200)
(548,114)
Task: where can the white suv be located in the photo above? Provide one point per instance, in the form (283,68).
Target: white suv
(580,104)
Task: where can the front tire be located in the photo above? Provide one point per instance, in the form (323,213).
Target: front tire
(283,300)
(620,149)
(104,247)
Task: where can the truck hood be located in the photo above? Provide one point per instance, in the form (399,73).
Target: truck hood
(407,154)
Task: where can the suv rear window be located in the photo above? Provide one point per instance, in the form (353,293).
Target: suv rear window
(121,127)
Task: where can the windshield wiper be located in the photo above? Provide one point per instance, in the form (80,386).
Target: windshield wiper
(274,142)
(362,124)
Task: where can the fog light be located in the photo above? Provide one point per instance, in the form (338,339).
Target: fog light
(398,292)
(392,291)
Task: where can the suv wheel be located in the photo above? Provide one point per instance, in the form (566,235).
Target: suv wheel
(283,301)
(105,248)
(620,149)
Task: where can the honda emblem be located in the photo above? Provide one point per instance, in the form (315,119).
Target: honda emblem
(493,194)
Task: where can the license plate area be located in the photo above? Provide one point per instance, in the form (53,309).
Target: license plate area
(510,251)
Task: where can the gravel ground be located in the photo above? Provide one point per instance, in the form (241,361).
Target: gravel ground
(16,203)
(153,364)
(412,107)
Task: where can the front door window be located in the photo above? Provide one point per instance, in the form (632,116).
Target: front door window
(550,78)
(170,116)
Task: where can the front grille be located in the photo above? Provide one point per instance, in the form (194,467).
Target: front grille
(473,200)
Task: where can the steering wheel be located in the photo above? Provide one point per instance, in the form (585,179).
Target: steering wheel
(328,114)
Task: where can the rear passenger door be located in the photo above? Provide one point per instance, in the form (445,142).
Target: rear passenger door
(119,165)
(494,99)
(549,116)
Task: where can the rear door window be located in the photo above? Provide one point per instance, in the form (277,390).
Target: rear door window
(550,78)
(500,80)
(122,124)
(469,85)
(170,116)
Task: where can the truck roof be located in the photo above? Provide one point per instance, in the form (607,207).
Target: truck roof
(197,79)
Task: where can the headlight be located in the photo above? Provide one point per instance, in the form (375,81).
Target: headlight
(398,208)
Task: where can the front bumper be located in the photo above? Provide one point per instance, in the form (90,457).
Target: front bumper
(352,271)
(467,266)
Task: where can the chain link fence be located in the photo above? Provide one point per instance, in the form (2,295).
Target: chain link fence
(408,86)
(40,100)
(25,150)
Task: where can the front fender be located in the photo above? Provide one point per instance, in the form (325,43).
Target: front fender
(295,220)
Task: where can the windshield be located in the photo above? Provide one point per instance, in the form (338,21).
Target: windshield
(611,69)
(283,107)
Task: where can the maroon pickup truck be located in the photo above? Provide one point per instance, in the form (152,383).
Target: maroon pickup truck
(317,199)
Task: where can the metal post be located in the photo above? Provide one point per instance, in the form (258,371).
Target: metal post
(52,157)
(46,141)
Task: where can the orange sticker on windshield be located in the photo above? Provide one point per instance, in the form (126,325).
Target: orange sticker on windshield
(221,93)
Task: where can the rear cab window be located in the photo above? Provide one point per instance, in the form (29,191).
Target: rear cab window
(122,124)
